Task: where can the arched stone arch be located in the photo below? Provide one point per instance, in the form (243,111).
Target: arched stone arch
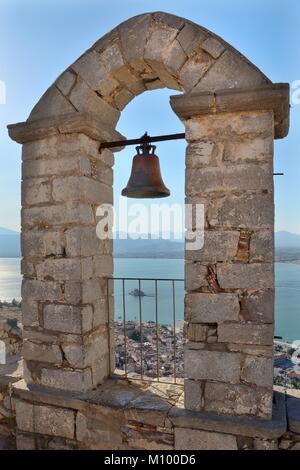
(149,51)
(232,113)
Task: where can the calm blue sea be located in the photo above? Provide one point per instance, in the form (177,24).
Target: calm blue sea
(287,309)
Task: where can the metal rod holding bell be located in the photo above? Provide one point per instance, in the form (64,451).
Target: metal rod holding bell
(144,139)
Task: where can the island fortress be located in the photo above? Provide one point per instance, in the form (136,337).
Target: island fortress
(69,396)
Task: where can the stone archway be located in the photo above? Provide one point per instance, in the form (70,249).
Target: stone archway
(232,113)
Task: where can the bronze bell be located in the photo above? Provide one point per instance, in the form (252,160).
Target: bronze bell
(145,180)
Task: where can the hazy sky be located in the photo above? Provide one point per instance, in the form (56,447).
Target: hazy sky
(39,39)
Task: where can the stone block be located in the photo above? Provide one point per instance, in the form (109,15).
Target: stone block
(45,419)
(249,125)
(61,269)
(107,157)
(262,246)
(102,433)
(193,395)
(73,292)
(171,20)
(66,81)
(174,58)
(91,69)
(27,268)
(258,306)
(245,276)
(52,103)
(112,57)
(194,439)
(190,37)
(93,290)
(81,356)
(251,349)
(62,379)
(41,290)
(25,441)
(33,351)
(194,69)
(249,150)
(160,38)
(59,146)
(101,312)
(147,439)
(87,268)
(81,188)
(237,400)
(251,211)
(257,371)
(61,214)
(122,98)
(133,37)
(42,243)
(85,99)
(36,191)
(231,71)
(196,332)
(239,178)
(212,308)
(212,365)
(106,40)
(195,276)
(218,246)
(103,265)
(213,47)
(30,313)
(77,164)
(245,333)
(67,318)
(83,241)
(199,154)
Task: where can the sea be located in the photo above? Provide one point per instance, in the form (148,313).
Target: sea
(167,305)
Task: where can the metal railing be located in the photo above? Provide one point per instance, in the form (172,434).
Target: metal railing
(148,345)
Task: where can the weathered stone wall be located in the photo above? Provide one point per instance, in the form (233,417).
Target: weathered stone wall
(124,415)
(229,303)
(64,295)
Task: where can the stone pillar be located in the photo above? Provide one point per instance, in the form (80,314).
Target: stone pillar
(229,302)
(67,344)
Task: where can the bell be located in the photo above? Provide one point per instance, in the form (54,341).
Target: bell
(145,180)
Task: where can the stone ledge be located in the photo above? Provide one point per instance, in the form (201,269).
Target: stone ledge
(243,426)
(84,123)
(270,97)
(157,400)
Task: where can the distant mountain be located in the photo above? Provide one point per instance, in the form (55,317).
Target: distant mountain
(9,243)
(287,246)
(148,248)
(7,231)
(287,240)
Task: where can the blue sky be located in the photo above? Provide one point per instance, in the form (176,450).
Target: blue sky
(39,39)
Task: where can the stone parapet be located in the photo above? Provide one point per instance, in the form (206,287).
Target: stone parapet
(128,415)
